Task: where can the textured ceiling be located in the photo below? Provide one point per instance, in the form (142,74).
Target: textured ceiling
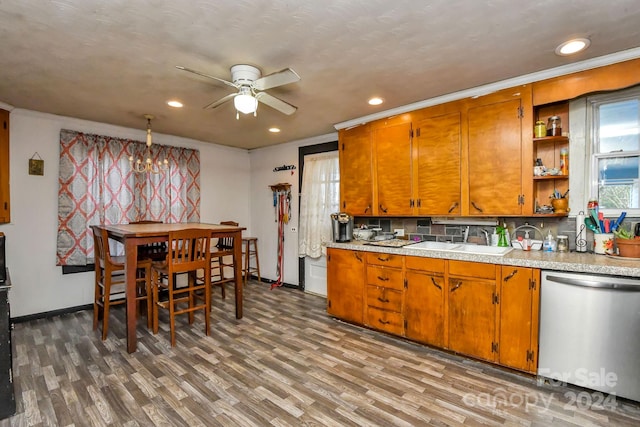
(114,61)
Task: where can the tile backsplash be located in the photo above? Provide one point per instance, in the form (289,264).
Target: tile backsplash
(424,229)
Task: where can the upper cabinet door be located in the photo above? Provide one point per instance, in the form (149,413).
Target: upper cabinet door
(356,184)
(437,165)
(392,144)
(495,158)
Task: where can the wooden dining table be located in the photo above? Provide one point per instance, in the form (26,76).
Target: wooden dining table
(134,235)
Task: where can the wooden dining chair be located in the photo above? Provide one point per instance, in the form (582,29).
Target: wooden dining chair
(188,252)
(156,251)
(110,285)
(223,258)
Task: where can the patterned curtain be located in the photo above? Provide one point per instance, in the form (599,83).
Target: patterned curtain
(98,186)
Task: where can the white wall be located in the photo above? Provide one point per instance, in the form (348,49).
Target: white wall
(38,284)
(263,219)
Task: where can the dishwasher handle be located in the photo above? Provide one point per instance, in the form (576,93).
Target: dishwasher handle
(593,283)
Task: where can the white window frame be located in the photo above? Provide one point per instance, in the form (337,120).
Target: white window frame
(591,183)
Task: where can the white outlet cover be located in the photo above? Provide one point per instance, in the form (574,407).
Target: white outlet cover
(399,232)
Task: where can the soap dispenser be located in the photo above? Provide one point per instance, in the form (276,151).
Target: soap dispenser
(549,244)
(526,243)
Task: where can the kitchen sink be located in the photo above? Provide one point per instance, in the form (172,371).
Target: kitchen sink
(435,246)
(462,248)
(484,250)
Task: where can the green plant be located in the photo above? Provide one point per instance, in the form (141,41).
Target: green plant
(623,233)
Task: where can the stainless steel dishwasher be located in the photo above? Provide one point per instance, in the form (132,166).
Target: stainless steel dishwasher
(590,332)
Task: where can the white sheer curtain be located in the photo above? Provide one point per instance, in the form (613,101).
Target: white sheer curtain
(319,198)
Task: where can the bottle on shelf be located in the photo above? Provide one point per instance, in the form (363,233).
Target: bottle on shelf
(564,161)
(554,126)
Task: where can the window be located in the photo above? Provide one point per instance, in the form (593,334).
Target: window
(98,186)
(615,148)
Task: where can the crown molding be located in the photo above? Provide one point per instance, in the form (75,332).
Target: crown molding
(588,64)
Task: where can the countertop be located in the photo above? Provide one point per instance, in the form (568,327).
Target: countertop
(566,261)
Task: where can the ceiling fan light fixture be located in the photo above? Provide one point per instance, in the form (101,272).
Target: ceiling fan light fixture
(245,102)
(572,46)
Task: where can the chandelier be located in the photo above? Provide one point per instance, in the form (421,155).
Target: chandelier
(141,166)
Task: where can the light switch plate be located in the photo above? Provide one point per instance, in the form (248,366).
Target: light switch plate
(399,232)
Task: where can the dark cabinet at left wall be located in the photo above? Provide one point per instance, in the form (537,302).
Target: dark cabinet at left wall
(5,204)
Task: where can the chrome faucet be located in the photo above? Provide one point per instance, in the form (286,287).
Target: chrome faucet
(486,236)
(466,235)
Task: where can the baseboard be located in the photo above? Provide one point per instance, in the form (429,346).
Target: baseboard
(52,313)
(269,281)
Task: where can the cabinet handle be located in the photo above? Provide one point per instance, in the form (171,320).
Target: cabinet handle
(382,208)
(367,209)
(358,257)
(453,206)
(456,286)
(476,206)
(384,322)
(383,259)
(384,279)
(433,280)
(419,203)
(509,277)
(382,299)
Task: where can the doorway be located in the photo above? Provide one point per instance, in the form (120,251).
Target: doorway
(312,275)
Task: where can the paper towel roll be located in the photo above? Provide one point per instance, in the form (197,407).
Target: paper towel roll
(581,233)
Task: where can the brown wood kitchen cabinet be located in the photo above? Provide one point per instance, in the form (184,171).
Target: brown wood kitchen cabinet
(424,300)
(5,203)
(498,146)
(392,178)
(436,160)
(356,179)
(345,284)
(471,305)
(480,310)
(384,292)
(519,303)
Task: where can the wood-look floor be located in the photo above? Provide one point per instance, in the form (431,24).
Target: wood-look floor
(286,363)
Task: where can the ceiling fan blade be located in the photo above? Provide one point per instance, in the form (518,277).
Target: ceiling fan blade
(221,101)
(228,83)
(275,103)
(279,78)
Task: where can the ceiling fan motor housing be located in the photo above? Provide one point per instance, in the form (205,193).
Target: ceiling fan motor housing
(244,74)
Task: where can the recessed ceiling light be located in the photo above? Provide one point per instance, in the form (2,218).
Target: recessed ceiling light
(572,46)
(274,130)
(375,101)
(175,104)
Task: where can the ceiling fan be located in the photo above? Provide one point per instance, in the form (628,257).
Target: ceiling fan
(248,81)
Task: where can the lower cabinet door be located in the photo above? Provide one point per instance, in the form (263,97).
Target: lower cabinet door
(345,284)
(424,307)
(519,303)
(472,317)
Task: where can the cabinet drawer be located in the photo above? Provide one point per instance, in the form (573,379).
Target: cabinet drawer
(385,277)
(434,265)
(385,260)
(388,321)
(385,298)
(472,269)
